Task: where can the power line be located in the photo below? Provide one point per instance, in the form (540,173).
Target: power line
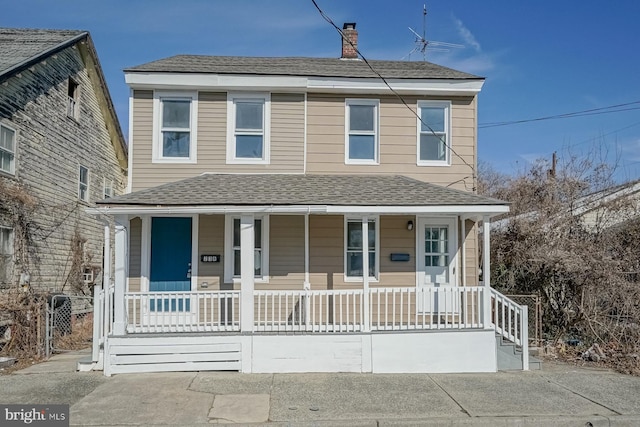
(355,48)
(592,112)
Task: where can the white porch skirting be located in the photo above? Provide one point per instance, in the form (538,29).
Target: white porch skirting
(392,352)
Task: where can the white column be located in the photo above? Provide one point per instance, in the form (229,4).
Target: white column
(307,283)
(486,269)
(365,273)
(120,275)
(247,272)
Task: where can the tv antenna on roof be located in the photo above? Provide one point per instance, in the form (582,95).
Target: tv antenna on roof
(422,44)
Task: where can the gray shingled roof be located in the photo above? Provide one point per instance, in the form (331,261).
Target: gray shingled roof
(319,67)
(22,46)
(281,189)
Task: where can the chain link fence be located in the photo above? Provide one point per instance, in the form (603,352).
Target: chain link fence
(534,305)
(69,323)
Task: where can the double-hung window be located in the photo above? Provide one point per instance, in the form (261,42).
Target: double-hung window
(107,188)
(175,127)
(83,184)
(6,253)
(260,252)
(248,128)
(361,139)
(434,133)
(354,249)
(7,150)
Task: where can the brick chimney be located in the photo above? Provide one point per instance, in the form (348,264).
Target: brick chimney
(350,35)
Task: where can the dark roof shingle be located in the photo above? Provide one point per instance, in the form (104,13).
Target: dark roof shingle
(19,45)
(284,190)
(299,66)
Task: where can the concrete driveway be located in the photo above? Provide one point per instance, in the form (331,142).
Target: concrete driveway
(558,395)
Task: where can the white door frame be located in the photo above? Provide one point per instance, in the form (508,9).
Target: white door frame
(426,305)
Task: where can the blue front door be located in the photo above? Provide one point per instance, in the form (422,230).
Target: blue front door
(170,261)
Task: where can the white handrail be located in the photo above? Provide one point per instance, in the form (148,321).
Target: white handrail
(309,311)
(211,311)
(509,318)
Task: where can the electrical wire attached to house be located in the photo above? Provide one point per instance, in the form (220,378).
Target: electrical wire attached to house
(381,77)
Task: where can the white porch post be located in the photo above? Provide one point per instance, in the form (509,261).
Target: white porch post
(307,283)
(366,327)
(119,312)
(247,272)
(486,269)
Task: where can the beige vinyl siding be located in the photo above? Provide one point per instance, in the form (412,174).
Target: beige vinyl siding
(286,142)
(135,251)
(395,238)
(211,242)
(471,256)
(398,139)
(286,252)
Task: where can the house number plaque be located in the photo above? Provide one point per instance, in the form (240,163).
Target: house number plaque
(209,258)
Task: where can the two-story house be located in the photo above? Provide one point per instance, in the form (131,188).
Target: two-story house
(61,148)
(301,215)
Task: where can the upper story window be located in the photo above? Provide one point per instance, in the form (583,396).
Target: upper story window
(6,253)
(362,139)
(83,184)
(107,188)
(73,95)
(174,130)
(354,248)
(7,149)
(248,128)
(434,133)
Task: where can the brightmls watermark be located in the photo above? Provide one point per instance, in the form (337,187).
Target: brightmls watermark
(34,415)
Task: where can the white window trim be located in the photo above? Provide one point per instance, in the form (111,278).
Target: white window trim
(447,127)
(231,127)
(15,150)
(106,181)
(375,278)
(156,154)
(376,130)
(228,249)
(88,183)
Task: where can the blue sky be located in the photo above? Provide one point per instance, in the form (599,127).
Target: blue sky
(540,58)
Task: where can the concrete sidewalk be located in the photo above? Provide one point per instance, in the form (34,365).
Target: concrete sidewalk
(559,395)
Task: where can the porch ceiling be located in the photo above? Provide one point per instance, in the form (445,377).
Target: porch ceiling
(302,193)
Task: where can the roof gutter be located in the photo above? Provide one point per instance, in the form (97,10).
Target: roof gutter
(35,59)
(490,210)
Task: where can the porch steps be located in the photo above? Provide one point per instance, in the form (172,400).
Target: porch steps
(168,353)
(510,356)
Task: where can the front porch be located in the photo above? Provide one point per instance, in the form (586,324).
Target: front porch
(282,286)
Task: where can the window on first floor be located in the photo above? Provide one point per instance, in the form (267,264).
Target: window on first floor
(7,149)
(434,133)
(83,184)
(362,141)
(248,128)
(354,248)
(260,259)
(6,253)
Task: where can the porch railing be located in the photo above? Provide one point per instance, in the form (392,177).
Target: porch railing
(312,311)
(446,307)
(210,311)
(509,318)
(325,311)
